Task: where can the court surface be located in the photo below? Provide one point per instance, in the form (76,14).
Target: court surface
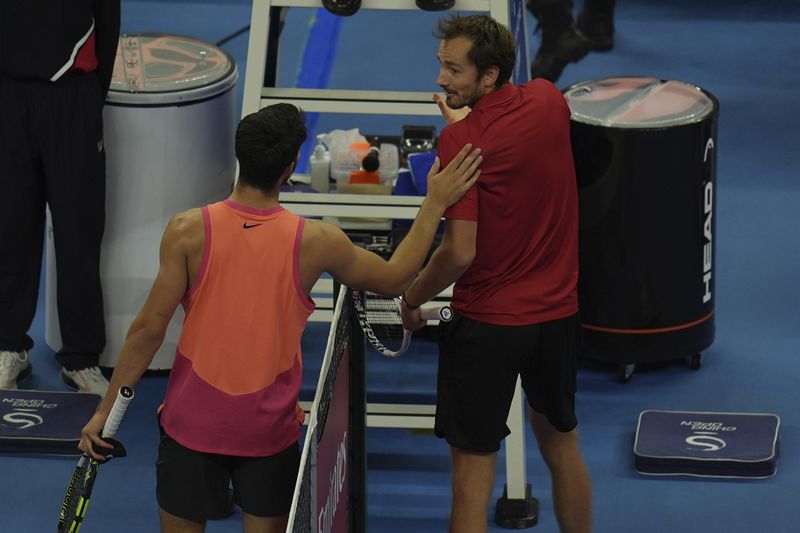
(747,54)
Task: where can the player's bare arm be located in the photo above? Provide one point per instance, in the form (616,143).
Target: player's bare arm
(182,242)
(326,248)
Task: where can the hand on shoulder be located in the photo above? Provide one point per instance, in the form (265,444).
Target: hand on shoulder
(448,185)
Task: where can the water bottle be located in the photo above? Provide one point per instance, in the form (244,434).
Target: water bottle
(320,164)
(389,162)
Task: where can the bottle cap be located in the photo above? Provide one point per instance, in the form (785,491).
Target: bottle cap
(371,161)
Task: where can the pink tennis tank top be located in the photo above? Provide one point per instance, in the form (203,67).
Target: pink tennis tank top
(234,385)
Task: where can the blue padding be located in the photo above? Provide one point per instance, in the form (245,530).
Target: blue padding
(420,164)
(315,71)
(404,186)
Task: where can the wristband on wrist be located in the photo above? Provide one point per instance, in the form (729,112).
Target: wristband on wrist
(405,302)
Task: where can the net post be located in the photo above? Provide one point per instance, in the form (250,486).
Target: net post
(358,422)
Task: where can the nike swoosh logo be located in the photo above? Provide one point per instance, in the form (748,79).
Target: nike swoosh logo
(245,226)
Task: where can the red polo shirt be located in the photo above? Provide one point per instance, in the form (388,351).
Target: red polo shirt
(525,203)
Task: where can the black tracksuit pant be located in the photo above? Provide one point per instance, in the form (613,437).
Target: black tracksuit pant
(51,153)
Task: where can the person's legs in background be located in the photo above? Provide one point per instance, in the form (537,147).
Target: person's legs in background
(564,41)
(561,44)
(22,213)
(596,24)
(74,167)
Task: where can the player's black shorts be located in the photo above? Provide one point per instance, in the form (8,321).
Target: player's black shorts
(194,485)
(478,368)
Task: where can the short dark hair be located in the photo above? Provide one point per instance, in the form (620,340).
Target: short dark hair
(267,142)
(493,44)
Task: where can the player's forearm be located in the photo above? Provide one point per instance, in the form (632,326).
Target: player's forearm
(442,270)
(138,351)
(409,256)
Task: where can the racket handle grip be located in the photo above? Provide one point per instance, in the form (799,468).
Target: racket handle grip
(124,397)
(443,314)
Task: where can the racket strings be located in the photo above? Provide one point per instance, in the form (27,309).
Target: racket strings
(383,315)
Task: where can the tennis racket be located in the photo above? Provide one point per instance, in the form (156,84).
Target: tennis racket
(79,491)
(379,317)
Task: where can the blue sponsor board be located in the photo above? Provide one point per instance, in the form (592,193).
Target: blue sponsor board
(44,421)
(707,444)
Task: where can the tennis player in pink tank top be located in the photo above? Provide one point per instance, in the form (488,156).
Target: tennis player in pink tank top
(243,269)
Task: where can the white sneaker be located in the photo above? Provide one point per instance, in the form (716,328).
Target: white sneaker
(14,367)
(88,380)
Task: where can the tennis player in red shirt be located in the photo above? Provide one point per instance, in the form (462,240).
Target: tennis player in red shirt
(511,248)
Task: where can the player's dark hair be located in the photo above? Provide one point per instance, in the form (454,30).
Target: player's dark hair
(267,142)
(492,43)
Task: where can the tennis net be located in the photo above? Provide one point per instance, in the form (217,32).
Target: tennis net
(330,495)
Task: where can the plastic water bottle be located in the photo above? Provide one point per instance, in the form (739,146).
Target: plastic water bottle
(389,162)
(320,164)
(347,159)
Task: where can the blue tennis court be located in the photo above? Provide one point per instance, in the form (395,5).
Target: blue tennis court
(747,54)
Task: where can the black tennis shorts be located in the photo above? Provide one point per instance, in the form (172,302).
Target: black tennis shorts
(478,368)
(194,485)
